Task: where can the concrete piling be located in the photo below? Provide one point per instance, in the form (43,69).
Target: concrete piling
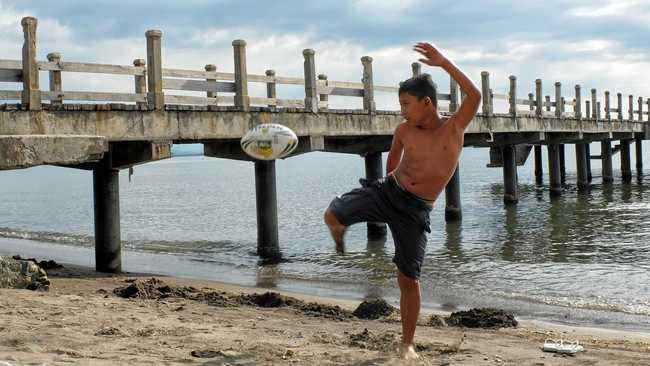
(626,163)
(106,197)
(581,166)
(268,244)
(554,170)
(606,160)
(453,209)
(374,170)
(511,194)
(539,169)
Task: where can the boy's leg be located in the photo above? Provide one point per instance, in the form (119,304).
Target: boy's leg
(410,243)
(358,205)
(337,230)
(409,312)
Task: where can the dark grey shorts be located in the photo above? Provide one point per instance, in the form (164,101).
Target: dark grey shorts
(406,214)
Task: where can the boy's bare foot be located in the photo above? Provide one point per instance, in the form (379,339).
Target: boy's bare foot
(407,352)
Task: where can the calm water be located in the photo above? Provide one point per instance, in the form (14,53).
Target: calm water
(584,258)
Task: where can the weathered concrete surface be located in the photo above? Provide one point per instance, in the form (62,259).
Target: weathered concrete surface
(23,151)
(130,153)
(197,124)
(77,134)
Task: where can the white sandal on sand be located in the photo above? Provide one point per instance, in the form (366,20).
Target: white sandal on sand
(562,346)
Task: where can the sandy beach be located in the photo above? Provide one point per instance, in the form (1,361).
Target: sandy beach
(81,320)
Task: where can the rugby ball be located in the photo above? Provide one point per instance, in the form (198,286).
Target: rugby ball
(269,141)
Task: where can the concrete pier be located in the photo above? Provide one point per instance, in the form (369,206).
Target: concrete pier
(639,155)
(606,160)
(626,163)
(376,231)
(581,166)
(554,170)
(453,210)
(268,244)
(106,194)
(539,169)
(510,195)
(588,154)
(562,164)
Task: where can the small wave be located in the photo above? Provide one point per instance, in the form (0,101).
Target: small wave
(48,236)
(197,247)
(631,306)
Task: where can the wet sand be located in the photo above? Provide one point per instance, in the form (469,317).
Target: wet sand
(82,321)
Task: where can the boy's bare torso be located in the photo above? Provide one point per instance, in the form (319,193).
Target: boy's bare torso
(430,156)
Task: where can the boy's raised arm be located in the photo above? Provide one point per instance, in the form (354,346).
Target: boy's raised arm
(469,106)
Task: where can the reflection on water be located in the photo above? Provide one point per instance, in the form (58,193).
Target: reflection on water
(565,258)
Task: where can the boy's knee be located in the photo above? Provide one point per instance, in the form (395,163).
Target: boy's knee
(330,219)
(407,283)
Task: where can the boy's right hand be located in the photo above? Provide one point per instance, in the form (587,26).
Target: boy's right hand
(433,57)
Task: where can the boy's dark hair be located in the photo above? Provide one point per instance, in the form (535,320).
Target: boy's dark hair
(420,86)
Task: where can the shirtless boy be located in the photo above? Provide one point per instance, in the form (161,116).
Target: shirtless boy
(422,158)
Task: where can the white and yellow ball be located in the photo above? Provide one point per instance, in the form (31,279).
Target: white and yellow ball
(269,141)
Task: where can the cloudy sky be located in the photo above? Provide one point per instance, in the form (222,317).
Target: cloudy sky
(599,44)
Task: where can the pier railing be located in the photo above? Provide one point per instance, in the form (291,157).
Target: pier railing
(154,85)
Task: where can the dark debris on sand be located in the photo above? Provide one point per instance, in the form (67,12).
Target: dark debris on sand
(46,265)
(268,300)
(326,311)
(374,309)
(155,289)
(482,318)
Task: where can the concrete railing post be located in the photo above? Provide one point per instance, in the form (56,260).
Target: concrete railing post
(513,95)
(212,82)
(538,98)
(453,96)
(368,88)
(241,77)
(587,109)
(608,113)
(619,106)
(155,96)
(323,97)
(271,87)
(547,100)
(486,93)
(31,94)
(630,108)
(140,80)
(416,68)
(55,78)
(531,101)
(311,87)
(640,111)
(577,107)
(594,104)
(558,99)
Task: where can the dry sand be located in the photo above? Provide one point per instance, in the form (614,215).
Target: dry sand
(81,321)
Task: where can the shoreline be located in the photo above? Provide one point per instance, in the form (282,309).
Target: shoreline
(80,320)
(155,263)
